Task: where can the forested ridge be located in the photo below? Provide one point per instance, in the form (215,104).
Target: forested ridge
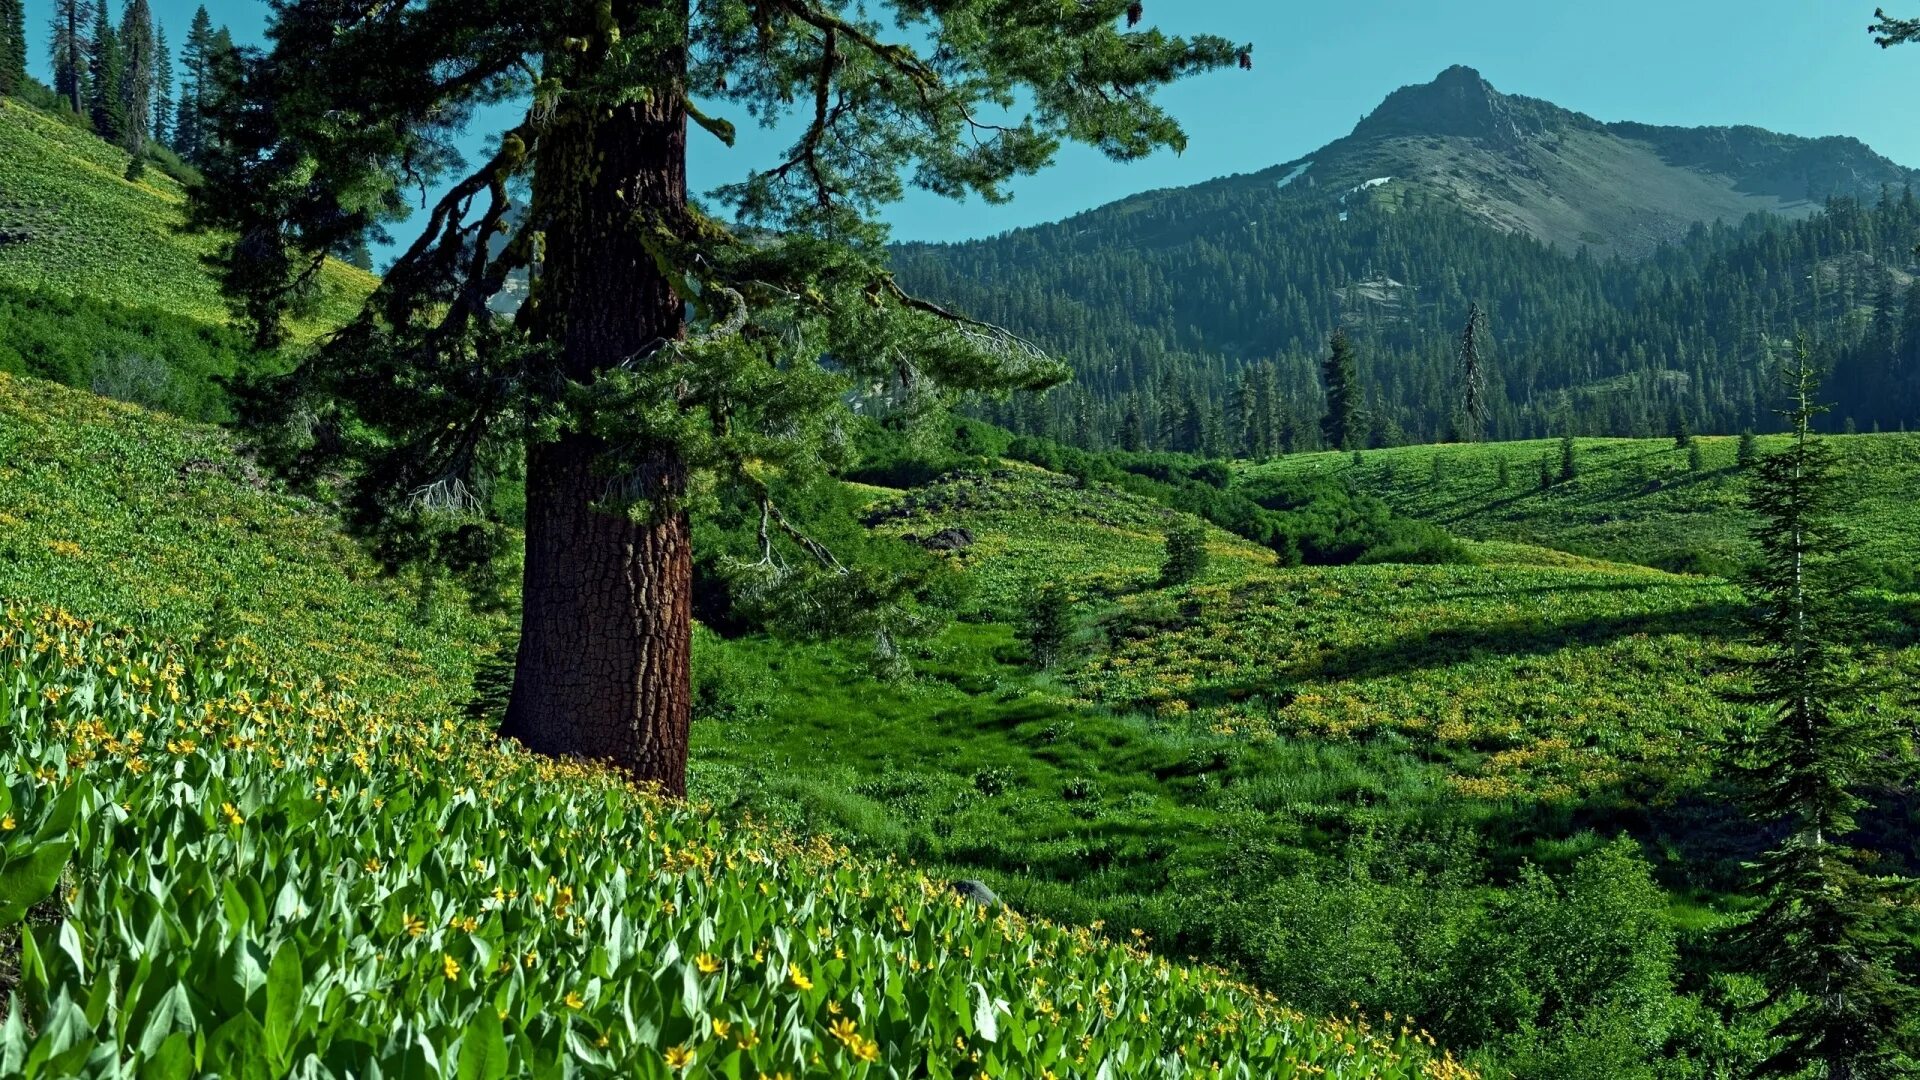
(1197,319)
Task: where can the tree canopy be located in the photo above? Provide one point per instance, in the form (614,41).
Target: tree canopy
(664,340)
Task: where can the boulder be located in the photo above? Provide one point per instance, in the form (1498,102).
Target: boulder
(977,892)
(949,540)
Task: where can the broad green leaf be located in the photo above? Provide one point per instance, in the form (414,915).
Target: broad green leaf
(483,1047)
(284,984)
(171,1060)
(26,882)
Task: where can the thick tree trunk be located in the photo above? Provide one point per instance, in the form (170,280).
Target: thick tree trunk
(603,668)
(605,623)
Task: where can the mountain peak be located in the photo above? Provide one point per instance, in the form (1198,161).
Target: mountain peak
(1459,102)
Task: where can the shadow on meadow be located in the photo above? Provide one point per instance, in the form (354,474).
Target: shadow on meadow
(1515,637)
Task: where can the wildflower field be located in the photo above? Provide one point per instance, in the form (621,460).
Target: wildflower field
(237,874)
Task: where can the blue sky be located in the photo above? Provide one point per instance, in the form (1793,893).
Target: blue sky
(1806,67)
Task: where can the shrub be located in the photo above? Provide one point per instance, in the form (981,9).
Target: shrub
(993,781)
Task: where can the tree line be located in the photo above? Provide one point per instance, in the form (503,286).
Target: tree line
(121,78)
(1198,320)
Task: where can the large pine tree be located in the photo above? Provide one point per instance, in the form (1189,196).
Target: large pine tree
(71,50)
(105,72)
(162,87)
(189,121)
(1825,939)
(661,345)
(137,59)
(1341,425)
(1473,375)
(13,47)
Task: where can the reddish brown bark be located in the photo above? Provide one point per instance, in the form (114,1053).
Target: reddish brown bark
(603,668)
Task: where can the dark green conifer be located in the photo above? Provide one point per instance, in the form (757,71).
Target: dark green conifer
(1569,463)
(1473,377)
(13,47)
(105,72)
(1678,427)
(1341,374)
(163,106)
(1825,939)
(1047,626)
(1186,557)
(138,59)
(1748,452)
(69,55)
(197,86)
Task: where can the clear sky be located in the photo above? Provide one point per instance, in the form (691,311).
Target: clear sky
(1805,67)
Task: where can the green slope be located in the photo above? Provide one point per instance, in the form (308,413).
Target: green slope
(1634,500)
(71,224)
(114,513)
(374,806)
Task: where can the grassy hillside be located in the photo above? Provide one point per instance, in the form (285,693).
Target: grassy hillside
(703,948)
(71,224)
(1335,778)
(1402,787)
(1634,500)
(115,513)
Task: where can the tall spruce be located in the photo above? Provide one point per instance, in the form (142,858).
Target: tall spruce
(189,118)
(1824,940)
(661,348)
(137,60)
(162,87)
(13,47)
(106,68)
(70,54)
(1341,373)
(1473,376)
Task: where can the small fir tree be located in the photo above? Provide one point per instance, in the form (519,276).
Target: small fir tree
(1569,462)
(1047,626)
(1501,474)
(1186,557)
(1678,427)
(1824,940)
(1748,453)
(1695,461)
(1546,472)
